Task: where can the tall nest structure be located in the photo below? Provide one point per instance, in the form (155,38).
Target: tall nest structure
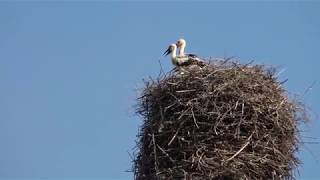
(223,121)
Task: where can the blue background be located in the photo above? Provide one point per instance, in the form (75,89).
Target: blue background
(70,74)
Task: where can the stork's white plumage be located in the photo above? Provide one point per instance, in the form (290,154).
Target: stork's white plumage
(176,60)
(192,58)
(181,44)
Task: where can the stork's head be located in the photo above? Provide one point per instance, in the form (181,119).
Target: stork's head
(180,43)
(170,49)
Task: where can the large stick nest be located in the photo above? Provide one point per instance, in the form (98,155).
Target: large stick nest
(224,121)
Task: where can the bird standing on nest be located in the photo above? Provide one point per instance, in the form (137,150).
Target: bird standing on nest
(184,62)
(176,60)
(182,59)
(192,58)
(181,44)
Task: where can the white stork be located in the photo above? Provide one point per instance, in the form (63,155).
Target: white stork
(192,58)
(176,60)
(181,44)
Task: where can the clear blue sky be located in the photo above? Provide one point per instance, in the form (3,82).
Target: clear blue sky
(69,74)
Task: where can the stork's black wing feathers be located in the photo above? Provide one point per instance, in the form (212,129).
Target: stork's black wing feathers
(192,55)
(186,63)
(193,61)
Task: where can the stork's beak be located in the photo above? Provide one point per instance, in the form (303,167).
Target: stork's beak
(168,51)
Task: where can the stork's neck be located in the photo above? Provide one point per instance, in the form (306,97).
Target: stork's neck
(181,52)
(174,53)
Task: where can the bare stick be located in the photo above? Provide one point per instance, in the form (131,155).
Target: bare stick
(242,148)
(194,118)
(155,155)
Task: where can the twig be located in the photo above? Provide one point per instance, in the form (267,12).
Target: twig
(309,88)
(188,90)
(165,153)
(242,148)
(194,118)
(174,136)
(155,155)
(161,69)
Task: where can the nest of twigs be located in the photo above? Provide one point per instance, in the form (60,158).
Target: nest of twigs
(223,121)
